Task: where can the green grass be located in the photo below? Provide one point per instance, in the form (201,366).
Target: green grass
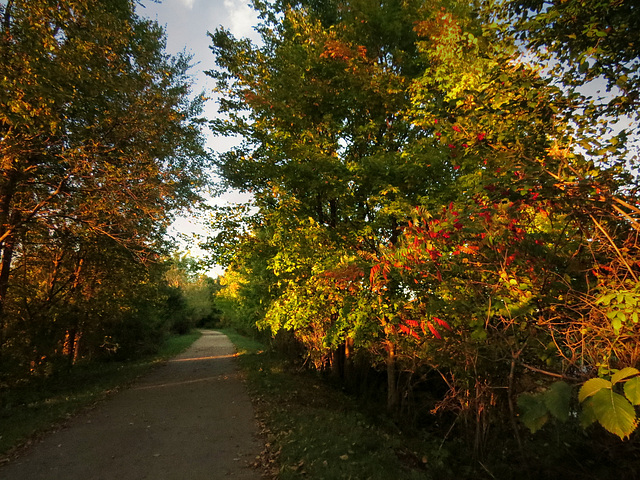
(315,431)
(36,407)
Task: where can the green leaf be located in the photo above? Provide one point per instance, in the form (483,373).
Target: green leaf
(588,415)
(616,324)
(606,299)
(614,412)
(593,386)
(534,411)
(632,390)
(557,400)
(623,374)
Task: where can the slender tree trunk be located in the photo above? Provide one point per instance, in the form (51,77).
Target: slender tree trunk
(7,245)
(6,21)
(319,209)
(512,409)
(74,333)
(5,267)
(392,378)
(395,232)
(348,361)
(7,193)
(337,362)
(333,212)
(69,347)
(480,415)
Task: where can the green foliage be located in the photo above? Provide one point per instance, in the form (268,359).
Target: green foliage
(612,410)
(631,390)
(431,200)
(620,307)
(100,144)
(557,400)
(535,412)
(598,399)
(586,41)
(537,408)
(190,294)
(591,387)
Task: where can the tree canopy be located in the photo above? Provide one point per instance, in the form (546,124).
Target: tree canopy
(100,145)
(436,200)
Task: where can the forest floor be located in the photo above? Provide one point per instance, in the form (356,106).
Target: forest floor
(191,418)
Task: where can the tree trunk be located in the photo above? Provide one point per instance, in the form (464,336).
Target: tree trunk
(5,266)
(319,210)
(392,378)
(333,213)
(348,361)
(7,245)
(6,21)
(337,362)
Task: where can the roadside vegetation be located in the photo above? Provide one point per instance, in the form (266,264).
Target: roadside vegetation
(314,428)
(445,217)
(443,238)
(100,148)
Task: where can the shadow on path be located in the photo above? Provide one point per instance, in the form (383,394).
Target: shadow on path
(189,419)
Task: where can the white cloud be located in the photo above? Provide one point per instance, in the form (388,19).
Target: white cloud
(188,3)
(242,18)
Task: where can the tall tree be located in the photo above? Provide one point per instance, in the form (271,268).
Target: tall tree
(320,107)
(98,136)
(415,173)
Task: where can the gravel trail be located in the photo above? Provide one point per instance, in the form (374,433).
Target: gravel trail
(190,419)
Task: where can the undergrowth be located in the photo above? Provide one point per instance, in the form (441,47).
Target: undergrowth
(314,430)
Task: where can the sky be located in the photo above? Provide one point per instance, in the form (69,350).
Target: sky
(186,23)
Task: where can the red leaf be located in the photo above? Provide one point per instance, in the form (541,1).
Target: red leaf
(442,323)
(408,331)
(374,272)
(434,331)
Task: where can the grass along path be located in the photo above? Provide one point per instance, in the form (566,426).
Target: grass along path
(315,431)
(28,412)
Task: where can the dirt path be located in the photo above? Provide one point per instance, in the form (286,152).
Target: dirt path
(190,419)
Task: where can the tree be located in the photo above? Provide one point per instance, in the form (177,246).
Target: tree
(191,293)
(537,242)
(320,107)
(99,139)
(588,41)
(435,198)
